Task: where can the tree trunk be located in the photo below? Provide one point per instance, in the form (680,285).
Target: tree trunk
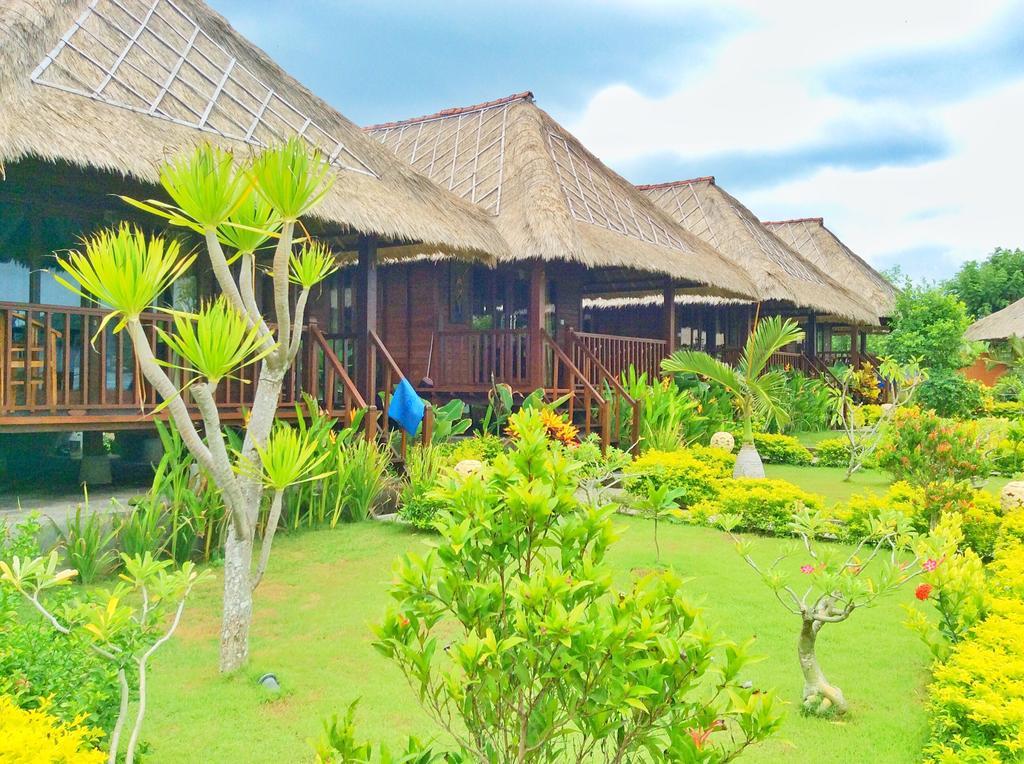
(748,463)
(819,696)
(234,634)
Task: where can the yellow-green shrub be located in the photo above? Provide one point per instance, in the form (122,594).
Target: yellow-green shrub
(901,497)
(760,505)
(36,736)
(976,700)
(781,449)
(697,471)
(867,414)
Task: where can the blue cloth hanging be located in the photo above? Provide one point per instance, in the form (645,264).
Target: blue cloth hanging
(406,407)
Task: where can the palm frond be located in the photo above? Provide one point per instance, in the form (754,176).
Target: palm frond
(702,364)
(769,336)
(768,390)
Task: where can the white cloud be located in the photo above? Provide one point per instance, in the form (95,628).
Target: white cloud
(763,91)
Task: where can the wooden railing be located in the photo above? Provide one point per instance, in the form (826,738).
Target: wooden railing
(56,360)
(473,360)
(617,354)
(582,395)
(621,402)
(328,381)
(384,374)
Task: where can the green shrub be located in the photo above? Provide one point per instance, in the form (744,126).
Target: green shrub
(869,413)
(950,394)
(483,448)
(759,505)
(832,452)
(593,463)
(697,471)
(423,466)
(781,449)
(922,447)
(808,402)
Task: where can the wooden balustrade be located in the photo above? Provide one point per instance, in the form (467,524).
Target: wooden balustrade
(581,395)
(622,403)
(617,354)
(473,360)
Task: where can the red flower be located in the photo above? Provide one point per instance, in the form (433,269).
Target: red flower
(806,568)
(923,592)
(403,621)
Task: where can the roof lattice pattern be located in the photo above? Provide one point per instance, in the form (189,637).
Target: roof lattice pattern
(771,246)
(593,199)
(151,57)
(463,152)
(686,208)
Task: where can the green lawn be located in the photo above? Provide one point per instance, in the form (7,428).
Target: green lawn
(324,588)
(811,439)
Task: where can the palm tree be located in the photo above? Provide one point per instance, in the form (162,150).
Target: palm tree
(754,390)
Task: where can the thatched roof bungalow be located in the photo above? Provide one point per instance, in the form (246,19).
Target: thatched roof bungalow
(780,274)
(551,198)
(818,245)
(1005,323)
(119,85)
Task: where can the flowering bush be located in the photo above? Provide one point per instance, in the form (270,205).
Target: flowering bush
(781,449)
(923,507)
(555,427)
(37,736)
(757,505)
(696,472)
(922,447)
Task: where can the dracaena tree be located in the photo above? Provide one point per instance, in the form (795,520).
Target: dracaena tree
(239,207)
(755,390)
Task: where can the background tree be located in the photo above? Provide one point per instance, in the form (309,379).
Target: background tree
(928,327)
(991,284)
(243,205)
(754,390)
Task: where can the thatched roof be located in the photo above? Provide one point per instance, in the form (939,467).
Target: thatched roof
(999,325)
(718,218)
(551,198)
(120,85)
(816,243)
(657,300)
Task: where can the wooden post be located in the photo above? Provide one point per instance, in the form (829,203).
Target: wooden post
(668,319)
(855,346)
(427,431)
(535,323)
(811,339)
(366,314)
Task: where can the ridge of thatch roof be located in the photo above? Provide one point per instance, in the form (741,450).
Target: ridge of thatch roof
(119,85)
(1008,322)
(816,243)
(657,300)
(780,273)
(550,197)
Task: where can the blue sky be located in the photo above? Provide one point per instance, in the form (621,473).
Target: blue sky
(899,122)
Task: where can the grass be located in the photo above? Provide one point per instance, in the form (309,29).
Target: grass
(325,588)
(811,439)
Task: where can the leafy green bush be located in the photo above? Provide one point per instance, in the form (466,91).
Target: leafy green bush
(781,449)
(870,413)
(516,601)
(594,464)
(922,447)
(696,471)
(759,505)
(1007,409)
(808,402)
(949,394)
